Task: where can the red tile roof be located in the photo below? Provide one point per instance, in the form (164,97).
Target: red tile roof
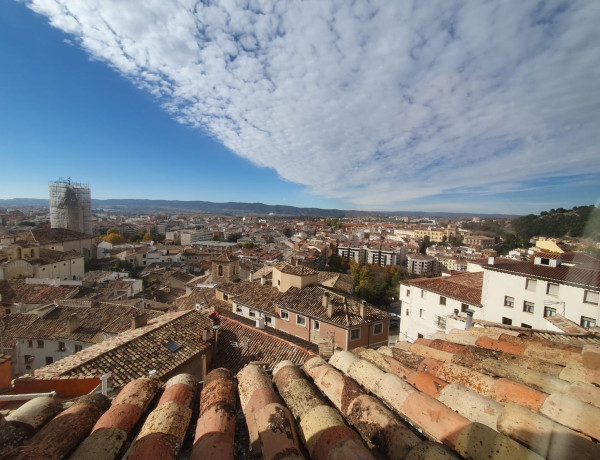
(465,287)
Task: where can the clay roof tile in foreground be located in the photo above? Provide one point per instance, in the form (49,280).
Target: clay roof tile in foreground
(489,392)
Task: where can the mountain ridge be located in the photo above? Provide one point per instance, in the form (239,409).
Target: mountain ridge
(132,205)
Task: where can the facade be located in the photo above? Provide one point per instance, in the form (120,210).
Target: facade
(435,234)
(420,264)
(526,294)
(554,293)
(427,303)
(351,251)
(70,206)
(294,303)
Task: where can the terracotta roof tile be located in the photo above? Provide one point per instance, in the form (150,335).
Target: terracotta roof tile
(465,287)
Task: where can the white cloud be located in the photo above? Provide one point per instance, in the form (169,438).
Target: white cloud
(376,103)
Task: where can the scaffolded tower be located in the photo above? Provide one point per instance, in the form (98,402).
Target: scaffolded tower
(70,206)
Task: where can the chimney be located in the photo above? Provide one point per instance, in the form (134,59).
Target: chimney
(216,328)
(262,280)
(138,320)
(251,276)
(72,323)
(142,304)
(363,304)
(204,335)
(469,319)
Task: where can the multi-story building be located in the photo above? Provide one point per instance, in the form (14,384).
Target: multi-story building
(352,251)
(435,234)
(529,294)
(554,292)
(478,242)
(421,264)
(70,206)
(295,303)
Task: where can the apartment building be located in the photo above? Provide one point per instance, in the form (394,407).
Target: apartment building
(555,292)
(295,303)
(421,264)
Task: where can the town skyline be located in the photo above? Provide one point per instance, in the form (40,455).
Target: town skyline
(468,121)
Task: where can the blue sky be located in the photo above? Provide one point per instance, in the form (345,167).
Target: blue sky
(435,106)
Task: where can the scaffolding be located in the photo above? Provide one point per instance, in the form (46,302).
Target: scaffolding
(70,205)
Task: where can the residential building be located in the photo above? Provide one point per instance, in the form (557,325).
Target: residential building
(426,303)
(421,264)
(555,292)
(295,303)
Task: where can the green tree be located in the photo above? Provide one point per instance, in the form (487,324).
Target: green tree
(425,244)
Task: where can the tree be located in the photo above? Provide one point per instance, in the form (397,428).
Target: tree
(425,244)
(287,232)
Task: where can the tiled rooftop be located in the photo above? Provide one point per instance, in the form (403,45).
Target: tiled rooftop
(585,275)
(51,322)
(18,291)
(284,267)
(465,287)
(485,393)
(55,235)
(346,308)
(134,353)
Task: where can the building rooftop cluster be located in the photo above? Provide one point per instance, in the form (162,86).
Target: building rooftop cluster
(250,347)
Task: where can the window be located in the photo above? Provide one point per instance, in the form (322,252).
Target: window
(49,360)
(316,325)
(587,322)
(238,309)
(378,329)
(300,320)
(420,336)
(422,293)
(421,313)
(408,293)
(407,312)
(220,270)
(528,307)
(278,282)
(30,343)
(530,285)
(251,313)
(78,348)
(442,300)
(268,320)
(40,344)
(552,289)
(354,334)
(28,359)
(525,325)
(591,297)
(464,307)
(61,346)
(506,321)
(225,296)
(285,315)
(509,301)
(548,311)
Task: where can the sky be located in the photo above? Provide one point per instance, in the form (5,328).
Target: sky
(463,106)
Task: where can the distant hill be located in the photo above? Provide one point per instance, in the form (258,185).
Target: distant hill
(575,222)
(231,208)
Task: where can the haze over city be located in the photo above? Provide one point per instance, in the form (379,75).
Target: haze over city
(433,106)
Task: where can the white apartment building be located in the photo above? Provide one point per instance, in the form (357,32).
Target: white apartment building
(427,303)
(552,291)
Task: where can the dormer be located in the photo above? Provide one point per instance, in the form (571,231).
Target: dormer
(548,259)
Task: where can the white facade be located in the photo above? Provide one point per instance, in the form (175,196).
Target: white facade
(33,354)
(424,313)
(507,297)
(253,314)
(532,299)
